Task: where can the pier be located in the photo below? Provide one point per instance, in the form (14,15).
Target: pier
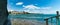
(57,19)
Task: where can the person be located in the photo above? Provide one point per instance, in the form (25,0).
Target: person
(3,12)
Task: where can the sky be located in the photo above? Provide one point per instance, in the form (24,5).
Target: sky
(34,6)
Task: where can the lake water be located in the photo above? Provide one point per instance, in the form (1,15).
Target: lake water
(38,17)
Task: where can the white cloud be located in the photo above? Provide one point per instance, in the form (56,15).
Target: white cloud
(46,7)
(19,3)
(10,10)
(36,4)
(23,5)
(31,7)
(36,9)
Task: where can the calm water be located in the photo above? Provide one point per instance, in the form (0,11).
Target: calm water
(39,17)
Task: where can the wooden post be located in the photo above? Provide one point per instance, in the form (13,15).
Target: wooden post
(46,21)
(51,20)
(57,12)
(57,17)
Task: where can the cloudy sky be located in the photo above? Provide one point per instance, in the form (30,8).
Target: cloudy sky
(34,6)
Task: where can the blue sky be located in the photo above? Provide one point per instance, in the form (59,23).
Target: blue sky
(34,6)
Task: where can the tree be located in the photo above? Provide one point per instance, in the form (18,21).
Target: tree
(3,12)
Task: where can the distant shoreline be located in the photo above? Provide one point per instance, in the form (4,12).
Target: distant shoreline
(16,12)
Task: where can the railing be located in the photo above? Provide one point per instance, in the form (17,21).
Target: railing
(57,19)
